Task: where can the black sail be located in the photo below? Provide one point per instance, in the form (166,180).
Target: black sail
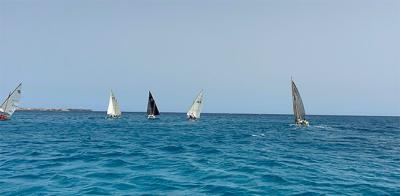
(151,106)
(298,107)
(156,112)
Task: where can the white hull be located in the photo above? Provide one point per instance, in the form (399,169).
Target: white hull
(302,123)
(151,117)
(113,116)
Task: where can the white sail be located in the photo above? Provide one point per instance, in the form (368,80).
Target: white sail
(11,103)
(113,107)
(195,109)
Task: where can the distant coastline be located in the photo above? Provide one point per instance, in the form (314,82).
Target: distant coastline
(54,109)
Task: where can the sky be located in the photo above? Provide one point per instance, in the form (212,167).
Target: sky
(344,55)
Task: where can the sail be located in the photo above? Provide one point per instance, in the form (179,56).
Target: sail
(152,106)
(298,107)
(195,109)
(12,101)
(113,106)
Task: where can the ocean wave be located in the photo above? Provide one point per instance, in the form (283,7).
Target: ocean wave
(79,154)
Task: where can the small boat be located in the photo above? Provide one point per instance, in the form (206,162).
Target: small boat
(113,110)
(195,109)
(9,105)
(152,110)
(298,107)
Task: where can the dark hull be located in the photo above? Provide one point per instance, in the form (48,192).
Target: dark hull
(113,116)
(4,116)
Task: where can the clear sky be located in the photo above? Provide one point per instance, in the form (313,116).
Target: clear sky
(344,54)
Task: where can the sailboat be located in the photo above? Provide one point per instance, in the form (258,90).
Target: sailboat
(298,107)
(9,106)
(113,110)
(152,110)
(195,109)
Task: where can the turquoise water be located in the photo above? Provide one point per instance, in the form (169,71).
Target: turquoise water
(76,153)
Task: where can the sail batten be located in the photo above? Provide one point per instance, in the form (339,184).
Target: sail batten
(195,109)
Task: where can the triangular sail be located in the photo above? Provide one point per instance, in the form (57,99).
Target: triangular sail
(195,109)
(152,106)
(12,101)
(113,106)
(298,107)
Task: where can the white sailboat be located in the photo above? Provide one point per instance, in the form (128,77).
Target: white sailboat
(195,109)
(11,103)
(113,110)
(298,107)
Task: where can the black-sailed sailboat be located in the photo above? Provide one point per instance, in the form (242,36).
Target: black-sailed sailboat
(298,107)
(152,110)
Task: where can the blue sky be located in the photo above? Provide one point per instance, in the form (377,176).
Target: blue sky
(343,54)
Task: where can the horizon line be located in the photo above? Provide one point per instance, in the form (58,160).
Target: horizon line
(233,113)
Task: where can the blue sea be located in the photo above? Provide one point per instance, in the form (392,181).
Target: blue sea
(79,153)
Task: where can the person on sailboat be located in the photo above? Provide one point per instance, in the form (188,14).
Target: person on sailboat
(3,116)
(303,122)
(192,116)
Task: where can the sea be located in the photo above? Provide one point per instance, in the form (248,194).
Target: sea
(82,153)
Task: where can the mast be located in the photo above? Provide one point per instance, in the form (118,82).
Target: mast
(294,101)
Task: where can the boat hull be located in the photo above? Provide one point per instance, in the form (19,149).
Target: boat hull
(191,117)
(151,117)
(113,116)
(4,116)
(302,123)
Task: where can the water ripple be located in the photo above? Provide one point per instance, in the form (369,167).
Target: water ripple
(83,153)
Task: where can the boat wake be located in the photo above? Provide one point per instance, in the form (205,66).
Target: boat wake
(258,135)
(323,127)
